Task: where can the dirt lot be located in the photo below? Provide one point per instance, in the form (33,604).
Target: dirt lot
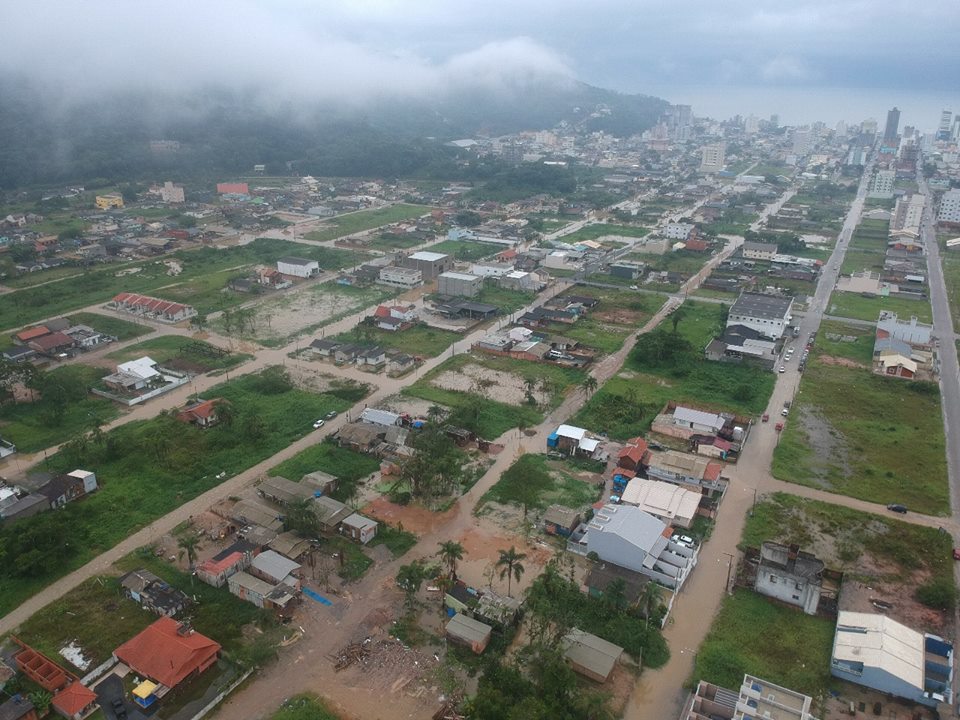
(504,387)
(843,362)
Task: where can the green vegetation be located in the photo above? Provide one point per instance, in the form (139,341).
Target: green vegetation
(598,230)
(465,250)
(855,261)
(352,562)
(871,437)
(367,220)
(398,542)
(950,262)
(522,181)
(507,300)
(65,409)
(668,364)
(344,464)
(155,276)
(395,241)
(178,352)
(148,468)
(304,707)
(858,307)
(871,235)
(685,262)
(534,482)
(850,342)
(421,340)
(889,543)
(739,643)
(120,329)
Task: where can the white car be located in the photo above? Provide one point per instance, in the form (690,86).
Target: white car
(682,539)
(783,368)
(318,424)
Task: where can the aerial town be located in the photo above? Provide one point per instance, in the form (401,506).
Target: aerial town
(588,425)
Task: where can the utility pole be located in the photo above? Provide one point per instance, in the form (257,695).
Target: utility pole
(729,566)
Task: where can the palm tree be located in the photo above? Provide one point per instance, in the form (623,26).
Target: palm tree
(649,600)
(510,567)
(450,552)
(188,545)
(589,385)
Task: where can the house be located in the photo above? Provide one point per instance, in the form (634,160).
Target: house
(63,489)
(19,353)
(25,336)
(711,446)
(896,365)
(395,317)
(560,520)
(756,698)
(134,375)
(399,363)
(319,481)
(279,598)
(880,653)
(52,345)
(29,505)
(758,250)
(384,418)
(284,492)
(913,332)
(497,610)
(330,513)
(630,538)
(631,455)
(75,701)
(589,655)
(789,575)
(248,512)
(290,545)
(324,347)
(202,413)
(86,337)
(573,441)
(670,503)
(18,707)
(743,344)
(150,307)
(359,528)
(153,594)
(767,314)
(360,436)
(455,284)
(275,569)
(400,276)
(681,468)
(698,420)
(602,575)
(372,357)
(298,267)
(167,653)
(227,562)
(464,630)
(430,264)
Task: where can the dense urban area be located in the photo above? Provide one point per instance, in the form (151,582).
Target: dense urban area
(564,423)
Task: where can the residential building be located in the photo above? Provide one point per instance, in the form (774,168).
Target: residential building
(298,267)
(18,707)
(171,193)
(395,317)
(430,264)
(359,528)
(279,598)
(589,655)
(712,158)
(522,280)
(560,520)
(166,653)
(109,200)
(678,231)
(790,575)
(949,207)
(330,513)
(464,630)
(215,571)
(758,250)
(150,307)
(573,441)
(697,420)
(134,375)
(908,213)
(377,416)
(153,594)
(275,569)
(455,284)
(756,699)
(742,344)
(404,277)
(75,702)
(630,538)
(770,315)
(202,413)
(631,456)
(63,489)
(283,492)
(914,332)
(670,503)
(880,653)
(882,185)
(684,469)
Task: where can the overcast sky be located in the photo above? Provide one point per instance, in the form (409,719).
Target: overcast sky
(751,55)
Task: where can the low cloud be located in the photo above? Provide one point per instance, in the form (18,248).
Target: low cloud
(785,69)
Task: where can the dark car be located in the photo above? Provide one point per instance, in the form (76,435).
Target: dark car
(331,415)
(894,507)
(119,709)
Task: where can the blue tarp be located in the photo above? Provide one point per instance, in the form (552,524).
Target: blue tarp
(316,596)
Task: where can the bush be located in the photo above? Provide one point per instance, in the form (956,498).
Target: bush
(938,593)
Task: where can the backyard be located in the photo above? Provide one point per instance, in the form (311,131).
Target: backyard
(871,437)
(348,466)
(534,482)
(120,329)
(366,220)
(148,468)
(466,250)
(181,353)
(419,340)
(858,307)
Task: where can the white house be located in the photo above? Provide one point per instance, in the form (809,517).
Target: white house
(767,314)
(758,251)
(677,231)
(698,420)
(298,267)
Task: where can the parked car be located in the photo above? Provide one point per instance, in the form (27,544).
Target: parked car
(119,709)
(766,417)
(785,411)
(897,508)
(331,415)
(956,553)
(783,368)
(318,424)
(682,539)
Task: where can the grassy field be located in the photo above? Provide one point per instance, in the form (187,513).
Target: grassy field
(592,232)
(42,424)
(739,643)
(858,307)
(860,260)
(344,464)
(169,349)
(682,261)
(420,340)
(507,300)
(29,279)
(395,241)
(842,537)
(153,277)
(304,707)
(950,261)
(859,350)
(874,438)
(535,482)
(871,235)
(120,329)
(466,250)
(366,220)
(489,418)
(148,468)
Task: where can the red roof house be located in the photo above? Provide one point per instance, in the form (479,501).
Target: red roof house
(695,245)
(168,652)
(712,471)
(25,336)
(74,701)
(202,413)
(54,342)
(631,456)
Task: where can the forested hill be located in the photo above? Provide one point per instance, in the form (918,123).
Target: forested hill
(224,132)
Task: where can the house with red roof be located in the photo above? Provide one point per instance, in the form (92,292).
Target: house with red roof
(631,456)
(166,653)
(394,317)
(51,344)
(25,336)
(202,413)
(151,307)
(75,701)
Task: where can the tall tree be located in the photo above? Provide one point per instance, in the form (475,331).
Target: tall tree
(301,519)
(451,552)
(510,565)
(589,385)
(188,546)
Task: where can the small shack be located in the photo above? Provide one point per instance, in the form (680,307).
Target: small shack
(359,528)
(560,520)
(468,632)
(589,655)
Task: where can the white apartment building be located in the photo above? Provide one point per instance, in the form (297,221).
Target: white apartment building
(949,207)
(882,185)
(712,158)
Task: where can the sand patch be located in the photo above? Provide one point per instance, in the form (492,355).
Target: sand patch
(497,385)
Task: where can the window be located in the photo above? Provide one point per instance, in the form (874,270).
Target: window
(773,579)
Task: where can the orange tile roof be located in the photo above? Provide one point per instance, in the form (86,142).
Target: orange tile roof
(73,698)
(31,333)
(712,471)
(164,655)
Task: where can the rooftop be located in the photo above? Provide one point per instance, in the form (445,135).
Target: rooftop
(426,256)
(759,305)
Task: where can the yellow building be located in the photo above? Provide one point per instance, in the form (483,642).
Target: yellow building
(110,200)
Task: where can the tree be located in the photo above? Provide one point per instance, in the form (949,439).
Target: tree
(450,552)
(510,565)
(589,385)
(301,519)
(722,317)
(41,700)
(649,601)
(676,317)
(198,322)
(468,218)
(410,578)
(188,546)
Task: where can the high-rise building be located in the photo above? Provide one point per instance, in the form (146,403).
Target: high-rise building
(868,127)
(908,213)
(712,158)
(943,132)
(678,119)
(802,139)
(751,125)
(774,121)
(950,207)
(893,124)
(841,128)
(882,185)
